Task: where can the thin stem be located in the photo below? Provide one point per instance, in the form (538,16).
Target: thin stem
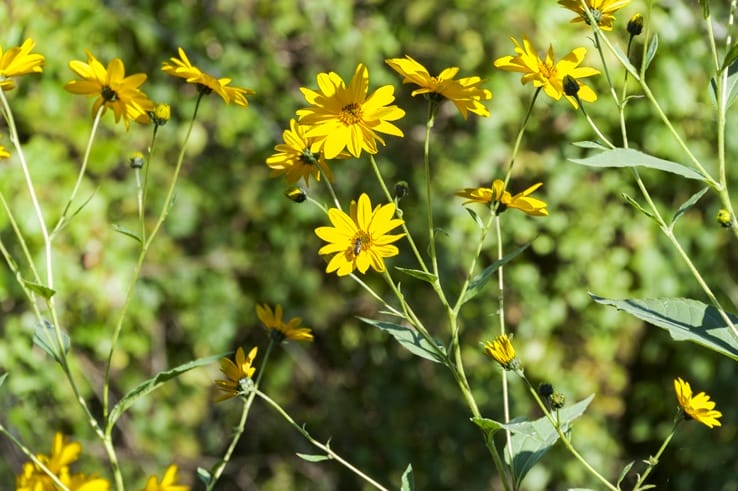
(653,461)
(143,191)
(432,107)
(33,458)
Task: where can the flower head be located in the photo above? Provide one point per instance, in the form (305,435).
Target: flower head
(465,93)
(502,351)
(272,320)
(299,156)
(602,11)
(168,481)
(4,154)
(497,194)
(17,61)
(698,407)
(361,239)
(182,68)
(549,74)
(112,88)
(635,25)
(343,117)
(238,374)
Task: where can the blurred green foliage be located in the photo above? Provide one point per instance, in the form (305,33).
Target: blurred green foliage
(233,240)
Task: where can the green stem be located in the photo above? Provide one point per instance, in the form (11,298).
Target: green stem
(653,461)
(324,447)
(432,107)
(143,191)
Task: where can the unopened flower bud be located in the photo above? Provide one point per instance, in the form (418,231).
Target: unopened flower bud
(635,25)
(160,114)
(136,160)
(558,400)
(545,390)
(400,190)
(571,86)
(296,194)
(723,218)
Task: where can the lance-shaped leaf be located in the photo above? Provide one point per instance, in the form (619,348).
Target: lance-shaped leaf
(477,283)
(628,157)
(418,274)
(685,319)
(687,205)
(408,481)
(45,338)
(314,457)
(411,339)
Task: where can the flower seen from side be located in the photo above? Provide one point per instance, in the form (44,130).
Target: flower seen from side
(4,154)
(17,61)
(112,89)
(361,239)
(502,351)
(182,67)
(299,157)
(699,407)
(497,194)
(342,117)
(602,11)
(548,74)
(280,330)
(168,481)
(238,374)
(465,92)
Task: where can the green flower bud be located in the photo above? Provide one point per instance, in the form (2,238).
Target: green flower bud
(558,400)
(723,218)
(136,160)
(635,25)
(401,190)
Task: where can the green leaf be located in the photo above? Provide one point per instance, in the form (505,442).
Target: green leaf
(623,59)
(3,377)
(421,275)
(313,457)
(411,339)
(45,338)
(475,217)
(590,144)
(730,57)
(628,157)
(408,481)
(204,475)
(42,290)
(730,84)
(687,205)
(624,473)
(632,202)
(653,46)
(532,439)
(705,8)
(126,232)
(685,319)
(488,426)
(154,383)
(477,283)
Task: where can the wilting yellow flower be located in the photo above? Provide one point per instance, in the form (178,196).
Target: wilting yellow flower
(361,239)
(502,351)
(546,73)
(699,407)
(345,118)
(602,11)
(497,194)
(168,481)
(465,93)
(112,88)
(272,320)
(238,374)
(299,156)
(17,61)
(207,83)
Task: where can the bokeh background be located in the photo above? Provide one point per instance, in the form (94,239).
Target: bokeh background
(233,240)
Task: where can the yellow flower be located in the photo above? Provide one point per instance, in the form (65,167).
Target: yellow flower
(168,481)
(465,93)
(207,83)
(280,330)
(602,11)
(502,351)
(112,88)
(546,73)
(298,157)
(17,61)
(82,482)
(4,154)
(497,194)
(345,118)
(361,239)
(239,374)
(699,407)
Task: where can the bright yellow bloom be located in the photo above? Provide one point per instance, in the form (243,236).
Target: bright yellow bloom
(168,481)
(502,351)
(112,88)
(602,11)
(547,74)
(361,239)
(272,320)
(207,83)
(299,156)
(465,93)
(239,374)
(497,194)
(17,61)
(4,154)
(699,407)
(345,118)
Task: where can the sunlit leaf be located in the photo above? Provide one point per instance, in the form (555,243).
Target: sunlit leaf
(313,457)
(127,233)
(421,275)
(411,339)
(624,473)
(3,377)
(44,336)
(408,481)
(590,144)
(204,475)
(688,204)
(479,281)
(653,46)
(628,157)
(42,290)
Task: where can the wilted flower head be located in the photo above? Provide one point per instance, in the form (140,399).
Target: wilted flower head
(272,320)
(238,374)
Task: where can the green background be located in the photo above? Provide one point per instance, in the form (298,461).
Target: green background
(232,240)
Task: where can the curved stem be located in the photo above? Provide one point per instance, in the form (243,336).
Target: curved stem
(426,167)
(653,461)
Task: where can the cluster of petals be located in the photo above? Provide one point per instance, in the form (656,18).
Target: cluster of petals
(497,193)
(237,372)
(602,11)
(292,329)
(502,351)
(168,482)
(699,407)
(18,61)
(299,157)
(465,93)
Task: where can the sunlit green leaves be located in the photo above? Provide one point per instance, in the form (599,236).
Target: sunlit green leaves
(411,339)
(628,157)
(45,337)
(408,482)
